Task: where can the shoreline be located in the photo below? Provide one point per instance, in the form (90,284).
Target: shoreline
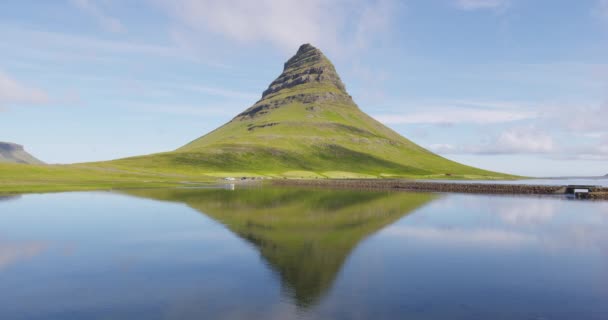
(595,192)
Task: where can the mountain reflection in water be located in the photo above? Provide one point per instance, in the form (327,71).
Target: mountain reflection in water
(304,235)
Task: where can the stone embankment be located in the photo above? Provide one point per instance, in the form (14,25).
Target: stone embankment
(420,186)
(599,195)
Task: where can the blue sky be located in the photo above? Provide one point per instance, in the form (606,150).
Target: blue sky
(519,86)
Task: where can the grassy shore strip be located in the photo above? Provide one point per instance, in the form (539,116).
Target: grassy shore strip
(21,178)
(408,185)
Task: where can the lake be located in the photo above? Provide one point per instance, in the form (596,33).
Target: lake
(266,253)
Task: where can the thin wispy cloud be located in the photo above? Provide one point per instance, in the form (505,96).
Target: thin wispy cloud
(526,139)
(284,24)
(448,116)
(481,4)
(220,111)
(515,140)
(13,92)
(223,92)
(92,8)
(597,151)
(535,130)
(602,8)
(529,140)
(58,46)
(584,118)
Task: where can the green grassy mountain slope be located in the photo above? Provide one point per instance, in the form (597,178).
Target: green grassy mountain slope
(14,153)
(305,125)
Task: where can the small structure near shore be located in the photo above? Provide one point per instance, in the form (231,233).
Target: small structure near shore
(579,192)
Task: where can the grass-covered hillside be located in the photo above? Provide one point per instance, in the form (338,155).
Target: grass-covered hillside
(305,125)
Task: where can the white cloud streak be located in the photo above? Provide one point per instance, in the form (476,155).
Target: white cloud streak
(105,21)
(581,129)
(222,92)
(522,140)
(516,140)
(448,116)
(55,46)
(513,142)
(223,111)
(470,5)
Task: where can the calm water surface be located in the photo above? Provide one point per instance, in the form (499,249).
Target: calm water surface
(301,254)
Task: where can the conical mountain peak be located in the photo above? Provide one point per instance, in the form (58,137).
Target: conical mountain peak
(307,125)
(306,57)
(308,77)
(308,66)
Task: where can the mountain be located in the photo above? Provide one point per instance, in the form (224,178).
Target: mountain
(11,152)
(306,125)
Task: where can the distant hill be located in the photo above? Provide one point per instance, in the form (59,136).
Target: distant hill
(14,153)
(306,125)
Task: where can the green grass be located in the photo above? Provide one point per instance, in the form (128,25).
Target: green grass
(21,178)
(332,140)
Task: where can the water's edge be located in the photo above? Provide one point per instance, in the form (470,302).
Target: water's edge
(595,192)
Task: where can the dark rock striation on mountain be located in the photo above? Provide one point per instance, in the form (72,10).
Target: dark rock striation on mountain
(309,65)
(315,78)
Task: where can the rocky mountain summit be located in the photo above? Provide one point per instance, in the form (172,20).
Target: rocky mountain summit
(315,78)
(12,152)
(308,66)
